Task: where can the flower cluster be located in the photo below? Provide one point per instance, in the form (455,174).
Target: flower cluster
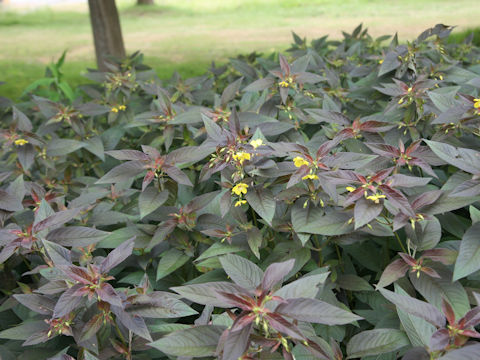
(240,189)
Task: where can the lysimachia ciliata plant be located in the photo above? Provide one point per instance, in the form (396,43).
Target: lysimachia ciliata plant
(323,203)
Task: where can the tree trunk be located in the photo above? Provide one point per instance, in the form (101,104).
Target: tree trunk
(145,2)
(107,33)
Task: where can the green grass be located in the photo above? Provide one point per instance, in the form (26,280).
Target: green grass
(187,35)
(460,36)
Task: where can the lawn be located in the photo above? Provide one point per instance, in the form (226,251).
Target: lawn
(188,34)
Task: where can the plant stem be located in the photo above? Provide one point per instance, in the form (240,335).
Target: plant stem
(319,249)
(254,217)
(400,242)
(339,256)
(120,335)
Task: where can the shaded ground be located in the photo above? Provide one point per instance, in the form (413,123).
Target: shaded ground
(188,34)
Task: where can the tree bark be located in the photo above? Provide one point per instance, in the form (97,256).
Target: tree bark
(145,2)
(107,33)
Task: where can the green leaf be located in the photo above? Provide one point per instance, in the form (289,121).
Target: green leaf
(376,342)
(67,90)
(415,307)
(306,287)
(353,283)
(390,63)
(242,271)
(9,202)
(426,235)
(150,200)
(17,188)
(474,214)
(444,97)
(315,221)
(218,249)
(466,159)
(254,239)
(446,203)
(95,146)
(434,290)
(418,330)
(122,172)
(199,341)
(60,147)
(468,260)
(24,330)
(170,261)
(262,201)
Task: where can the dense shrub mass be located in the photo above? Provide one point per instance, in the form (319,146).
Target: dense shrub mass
(322,204)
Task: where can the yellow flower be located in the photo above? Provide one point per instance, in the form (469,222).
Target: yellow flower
(241,156)
(380,61)
(240,188)
(300,161)
(114,109)
(476,103)
(21,142)
(284,84)
(350,188)
(240,203)
(376,198)
(310,177)
(256,143)
(122,107)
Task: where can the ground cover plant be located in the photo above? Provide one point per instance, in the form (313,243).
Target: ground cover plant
(186,35)
(322,203)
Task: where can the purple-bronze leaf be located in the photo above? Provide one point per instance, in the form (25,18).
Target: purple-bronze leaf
(208,293)
(275,273)
(415,307)
(439,340)
(117,256)
(38,303)
(132,322)
(316,311)
(107,293)
(471,318)
(68,301)
(394,271)
(236,343)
